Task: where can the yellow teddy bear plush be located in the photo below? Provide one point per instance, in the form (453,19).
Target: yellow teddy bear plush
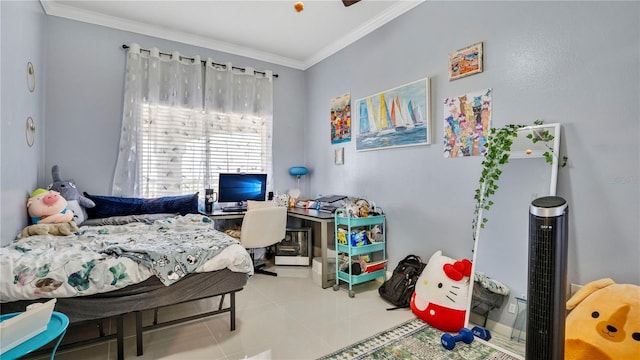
(604,322)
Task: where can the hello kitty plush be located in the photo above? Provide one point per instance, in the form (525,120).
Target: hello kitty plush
(440,296)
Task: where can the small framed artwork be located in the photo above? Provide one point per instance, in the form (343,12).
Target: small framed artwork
(467,122)
(341,119)
(466,61)
(339,156)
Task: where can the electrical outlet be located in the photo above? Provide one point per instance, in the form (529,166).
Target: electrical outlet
(512,308)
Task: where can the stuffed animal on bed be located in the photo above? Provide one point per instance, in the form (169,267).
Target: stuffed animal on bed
(75,200)
(604,322)
(60,229)
(48,207)
(441,293)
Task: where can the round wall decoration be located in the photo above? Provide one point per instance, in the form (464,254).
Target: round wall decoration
(31,77)
(30,131)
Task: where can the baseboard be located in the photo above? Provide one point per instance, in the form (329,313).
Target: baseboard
(493,326)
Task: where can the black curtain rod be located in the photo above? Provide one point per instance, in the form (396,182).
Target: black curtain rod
(125,46)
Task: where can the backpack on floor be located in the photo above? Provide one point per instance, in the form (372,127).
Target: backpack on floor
(398,289)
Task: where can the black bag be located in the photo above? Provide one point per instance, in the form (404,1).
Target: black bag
(399,288)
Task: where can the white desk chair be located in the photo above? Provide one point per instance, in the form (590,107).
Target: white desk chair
(264,224)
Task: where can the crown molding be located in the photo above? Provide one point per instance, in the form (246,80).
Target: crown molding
(61,10)
(392,13)
(68,12)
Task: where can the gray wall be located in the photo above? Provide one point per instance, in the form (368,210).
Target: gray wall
(23,40)
(575,63)
(84,101)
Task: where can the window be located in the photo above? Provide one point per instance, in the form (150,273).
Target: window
(185,121)
(182,151)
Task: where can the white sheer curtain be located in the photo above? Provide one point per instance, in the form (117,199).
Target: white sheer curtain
(239,118)
(178,136)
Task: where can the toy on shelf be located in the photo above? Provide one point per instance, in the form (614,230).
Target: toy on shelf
(449,341)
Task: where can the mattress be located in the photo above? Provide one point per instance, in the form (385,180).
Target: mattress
(103,259)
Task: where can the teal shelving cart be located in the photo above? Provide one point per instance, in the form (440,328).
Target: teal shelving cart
(351,242)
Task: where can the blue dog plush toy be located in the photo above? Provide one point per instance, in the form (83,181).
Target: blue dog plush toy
(75,201)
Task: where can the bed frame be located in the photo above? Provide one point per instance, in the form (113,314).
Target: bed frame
(151,294)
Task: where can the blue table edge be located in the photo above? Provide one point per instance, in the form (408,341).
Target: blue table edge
(56,327)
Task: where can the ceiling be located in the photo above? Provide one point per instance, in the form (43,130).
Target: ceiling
(268,30)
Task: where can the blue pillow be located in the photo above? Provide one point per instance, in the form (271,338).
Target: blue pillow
(181,204)
(108,206)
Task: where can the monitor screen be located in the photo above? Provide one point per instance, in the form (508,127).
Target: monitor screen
(239,187)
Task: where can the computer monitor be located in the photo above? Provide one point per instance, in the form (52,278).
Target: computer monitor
(240,187)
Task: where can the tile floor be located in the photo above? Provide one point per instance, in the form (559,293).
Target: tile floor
(283,317)
(289,316)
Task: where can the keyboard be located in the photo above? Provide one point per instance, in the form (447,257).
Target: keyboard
(234,209)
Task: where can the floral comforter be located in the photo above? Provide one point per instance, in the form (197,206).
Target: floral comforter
(99,259)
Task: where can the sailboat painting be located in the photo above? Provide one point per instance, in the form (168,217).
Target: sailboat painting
(341,119)
(394,118)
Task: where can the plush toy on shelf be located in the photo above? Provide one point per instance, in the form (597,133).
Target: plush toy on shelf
(75,200)
(604,322)
(441,292)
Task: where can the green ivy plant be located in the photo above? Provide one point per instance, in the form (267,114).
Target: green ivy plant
(498,149)
(545,136)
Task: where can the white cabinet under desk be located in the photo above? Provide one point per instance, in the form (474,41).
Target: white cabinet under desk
(322,229)
(296,248)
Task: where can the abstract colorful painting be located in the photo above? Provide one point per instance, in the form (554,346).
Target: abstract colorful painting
(341,119)
(466,61)
(395,118)
(467,120)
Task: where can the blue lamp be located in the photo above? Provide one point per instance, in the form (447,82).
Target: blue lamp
(298,172)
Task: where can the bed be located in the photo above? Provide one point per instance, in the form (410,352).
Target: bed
(142,263)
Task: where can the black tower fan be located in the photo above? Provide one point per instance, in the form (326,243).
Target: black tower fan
(547,281)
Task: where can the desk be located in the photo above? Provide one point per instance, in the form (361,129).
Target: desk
(218,214)
(55,329)
(322,221)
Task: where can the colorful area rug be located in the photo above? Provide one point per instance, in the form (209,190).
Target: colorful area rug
(415,339)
